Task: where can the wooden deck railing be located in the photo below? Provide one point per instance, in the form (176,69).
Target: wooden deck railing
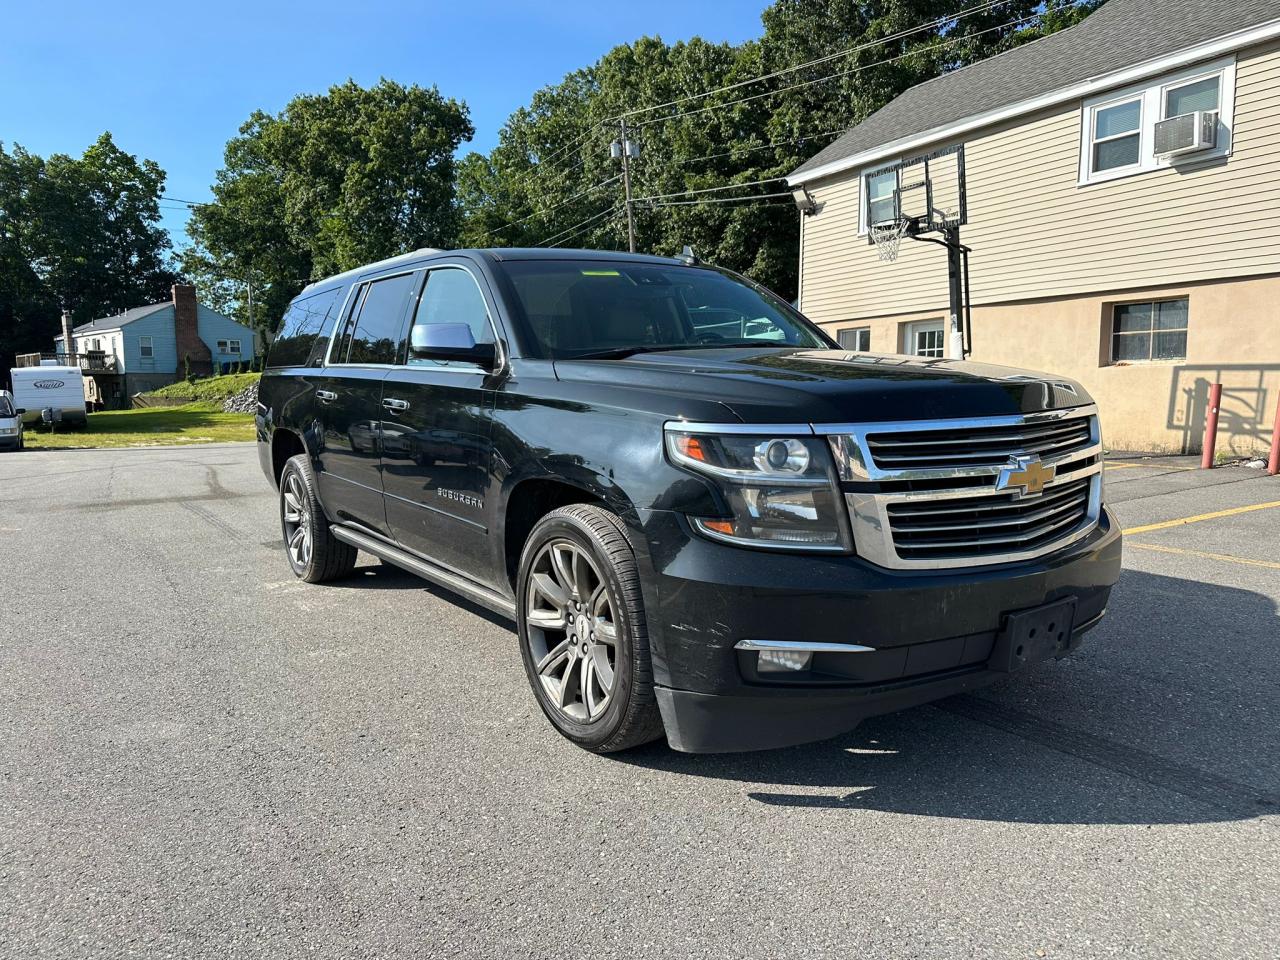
(95,361)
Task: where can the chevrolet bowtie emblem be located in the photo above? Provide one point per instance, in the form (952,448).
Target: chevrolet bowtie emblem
(1024,476)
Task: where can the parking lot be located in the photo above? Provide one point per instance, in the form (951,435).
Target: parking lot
(202,757)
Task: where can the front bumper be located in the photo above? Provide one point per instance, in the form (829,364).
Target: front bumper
(933,633)
(10,441)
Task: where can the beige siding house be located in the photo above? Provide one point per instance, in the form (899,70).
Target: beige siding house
(1145,277)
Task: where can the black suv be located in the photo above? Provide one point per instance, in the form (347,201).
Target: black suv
(706,519)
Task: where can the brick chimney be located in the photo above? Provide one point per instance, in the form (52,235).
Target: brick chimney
(191,349)
(68,340)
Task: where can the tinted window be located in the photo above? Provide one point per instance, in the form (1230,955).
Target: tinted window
(576,308)
(379,328)
(451,296)
(304,331)
(6,410)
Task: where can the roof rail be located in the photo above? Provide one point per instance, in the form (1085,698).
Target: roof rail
(365,268)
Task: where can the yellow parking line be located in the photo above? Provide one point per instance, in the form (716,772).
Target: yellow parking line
(1270,565)
(1120,465)
(1165,525)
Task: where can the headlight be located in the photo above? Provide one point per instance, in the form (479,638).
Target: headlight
(781,491)
(8,431)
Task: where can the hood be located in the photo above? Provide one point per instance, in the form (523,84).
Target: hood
(792,385)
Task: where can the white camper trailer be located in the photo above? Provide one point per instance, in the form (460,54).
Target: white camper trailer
(49,386)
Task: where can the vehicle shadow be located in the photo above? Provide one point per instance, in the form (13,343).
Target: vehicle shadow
(387,576)
(1164,716)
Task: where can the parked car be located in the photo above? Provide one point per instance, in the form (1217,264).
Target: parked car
(731,532)
(10,423)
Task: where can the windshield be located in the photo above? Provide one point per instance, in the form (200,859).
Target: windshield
(585,308)
(6,408)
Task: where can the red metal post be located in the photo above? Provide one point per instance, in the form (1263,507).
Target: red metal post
(1273,462)
(1211,427)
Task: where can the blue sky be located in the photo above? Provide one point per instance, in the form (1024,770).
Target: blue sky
(173,81)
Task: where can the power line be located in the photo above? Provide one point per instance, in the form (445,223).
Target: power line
(687,203)
(562,203)
(728,186)
(763,146)
(550,241)
(920,28)
(845,73)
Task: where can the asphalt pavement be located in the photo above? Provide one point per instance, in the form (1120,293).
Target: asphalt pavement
(202,757)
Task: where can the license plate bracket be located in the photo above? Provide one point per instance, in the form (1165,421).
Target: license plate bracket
(1029,636)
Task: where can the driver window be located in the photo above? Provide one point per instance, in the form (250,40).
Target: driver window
(451,296)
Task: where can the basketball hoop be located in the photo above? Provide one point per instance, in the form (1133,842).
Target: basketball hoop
(888,237)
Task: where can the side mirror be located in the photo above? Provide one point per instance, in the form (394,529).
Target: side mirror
(19,411)
(449,341)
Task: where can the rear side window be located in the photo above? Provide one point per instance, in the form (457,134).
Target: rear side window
(377,332)
(304,331)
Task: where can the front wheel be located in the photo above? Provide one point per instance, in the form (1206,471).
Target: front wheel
(314,553)
(582,630)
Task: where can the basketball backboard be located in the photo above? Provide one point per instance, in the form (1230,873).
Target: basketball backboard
(921,194)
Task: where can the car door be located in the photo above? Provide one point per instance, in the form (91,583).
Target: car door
(437,434)
(349,399)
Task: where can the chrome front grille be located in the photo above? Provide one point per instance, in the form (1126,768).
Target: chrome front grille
(977,445)
(932,529)
(926,494)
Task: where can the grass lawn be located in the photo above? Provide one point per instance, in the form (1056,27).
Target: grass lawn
(162,426)
(211,388)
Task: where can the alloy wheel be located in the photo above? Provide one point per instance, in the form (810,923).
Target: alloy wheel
(572,633)
(296,512)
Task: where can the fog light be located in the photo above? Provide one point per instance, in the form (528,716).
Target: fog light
(783,661)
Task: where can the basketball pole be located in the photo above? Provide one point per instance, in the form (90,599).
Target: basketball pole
(960,325)
(955,286)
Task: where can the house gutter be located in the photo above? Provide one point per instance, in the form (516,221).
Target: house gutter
(1077,91)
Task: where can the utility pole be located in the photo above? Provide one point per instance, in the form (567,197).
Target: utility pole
(624,149)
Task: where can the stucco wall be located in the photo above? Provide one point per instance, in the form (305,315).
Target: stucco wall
(1233,337)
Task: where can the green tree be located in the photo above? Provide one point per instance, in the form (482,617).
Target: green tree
(551,171)
(332,181)
(81,232)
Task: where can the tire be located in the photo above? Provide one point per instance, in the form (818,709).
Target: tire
(314,553)
(582,630)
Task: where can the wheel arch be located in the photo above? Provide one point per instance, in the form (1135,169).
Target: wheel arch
(531,497)
(285,443)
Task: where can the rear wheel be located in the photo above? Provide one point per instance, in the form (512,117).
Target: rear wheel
(582,630)
(314,553)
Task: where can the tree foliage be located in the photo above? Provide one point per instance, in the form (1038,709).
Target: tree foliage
(551,170)
(332,181)
(81,232)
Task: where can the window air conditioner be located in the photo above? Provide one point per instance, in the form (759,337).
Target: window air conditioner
(1187,133)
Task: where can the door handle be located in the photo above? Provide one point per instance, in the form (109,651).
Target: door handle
(325,396)
(394,405)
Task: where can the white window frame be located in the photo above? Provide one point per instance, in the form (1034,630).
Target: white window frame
(861,333)
(864,188)
(917,326)
(146,348)
(1152,95)
(233,347)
